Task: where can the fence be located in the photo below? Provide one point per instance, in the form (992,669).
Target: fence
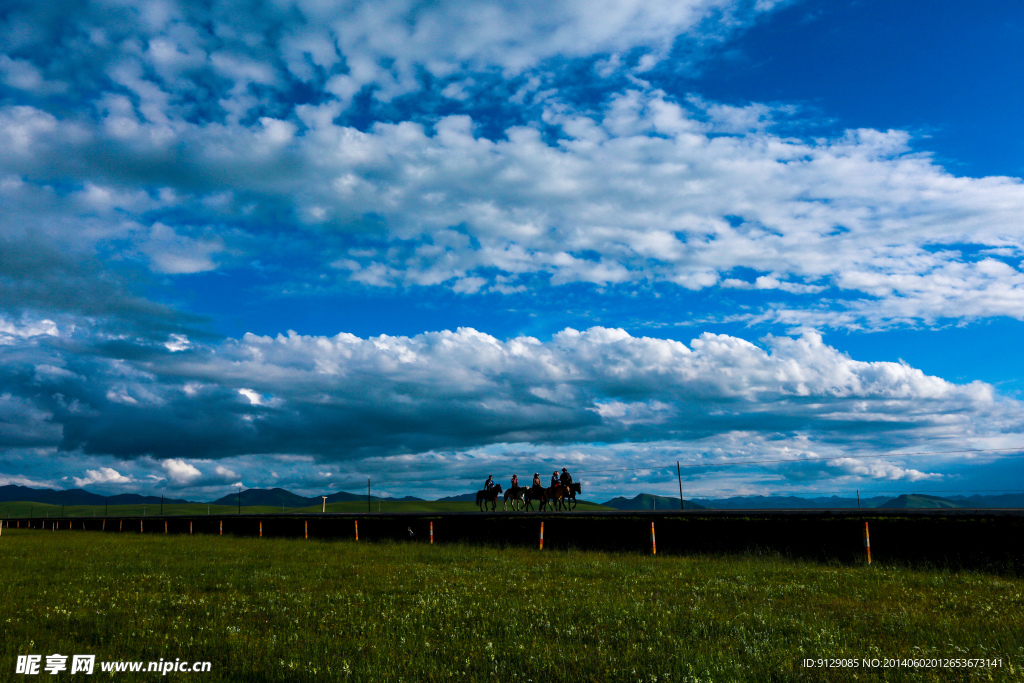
(955,538)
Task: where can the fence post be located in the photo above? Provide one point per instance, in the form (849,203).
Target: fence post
(357,529)
(261,528)
(140,526)
(120,525)
(222,527)
(867,543)
(542,536)
(654,547)
(431,533)
(165,526)
(307,529)
(190,527)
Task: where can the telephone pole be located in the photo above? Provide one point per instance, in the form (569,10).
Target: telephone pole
(679,474)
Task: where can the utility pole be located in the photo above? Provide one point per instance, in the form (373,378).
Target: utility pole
(858,499)
(325,503)
(679,474)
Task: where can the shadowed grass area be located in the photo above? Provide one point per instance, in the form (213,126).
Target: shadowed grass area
(294,610)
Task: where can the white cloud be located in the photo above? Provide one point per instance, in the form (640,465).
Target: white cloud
(883,470)
(180,472)
(175,254)
(225,473)
(102,475)
(177,342)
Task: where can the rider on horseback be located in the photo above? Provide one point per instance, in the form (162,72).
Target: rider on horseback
(554,479)
(566,478)
(536,480)
(515,481)
(489,484)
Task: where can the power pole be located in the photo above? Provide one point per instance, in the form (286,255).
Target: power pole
(679,474)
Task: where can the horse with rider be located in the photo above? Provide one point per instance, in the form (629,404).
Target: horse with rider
(559,494)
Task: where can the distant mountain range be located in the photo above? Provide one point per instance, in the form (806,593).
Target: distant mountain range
(646,501)
(789,502)
(283,497)
(12,493)
(278,497)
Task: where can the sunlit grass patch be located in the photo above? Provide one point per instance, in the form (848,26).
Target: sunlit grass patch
(282,609)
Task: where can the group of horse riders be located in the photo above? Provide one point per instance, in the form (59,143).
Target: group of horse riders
(561,492)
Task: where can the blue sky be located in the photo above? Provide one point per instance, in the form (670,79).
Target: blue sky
(300,245)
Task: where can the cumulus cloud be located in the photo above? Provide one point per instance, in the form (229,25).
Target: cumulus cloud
(180,471)
(883,470)
(344,397)
(103,475)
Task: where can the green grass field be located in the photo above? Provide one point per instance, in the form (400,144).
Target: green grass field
(23,510)
(295,610)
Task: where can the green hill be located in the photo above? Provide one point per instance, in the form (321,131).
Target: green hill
(918,501)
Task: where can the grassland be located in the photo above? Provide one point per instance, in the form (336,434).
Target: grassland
(23,509)
(294,610)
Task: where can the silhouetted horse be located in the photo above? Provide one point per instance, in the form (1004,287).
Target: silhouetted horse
(517,494)
(556,496)
(574,490)
(536,493)
(488,496)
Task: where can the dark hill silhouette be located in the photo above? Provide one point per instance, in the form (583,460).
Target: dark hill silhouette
(278,497)
(646,501)
(787,502)
(13,493)
(461,498)
(1004,500)
(918,501)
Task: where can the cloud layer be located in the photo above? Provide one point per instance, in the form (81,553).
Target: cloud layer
(459,402)
(478,149)
(200,143)
(343,397)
